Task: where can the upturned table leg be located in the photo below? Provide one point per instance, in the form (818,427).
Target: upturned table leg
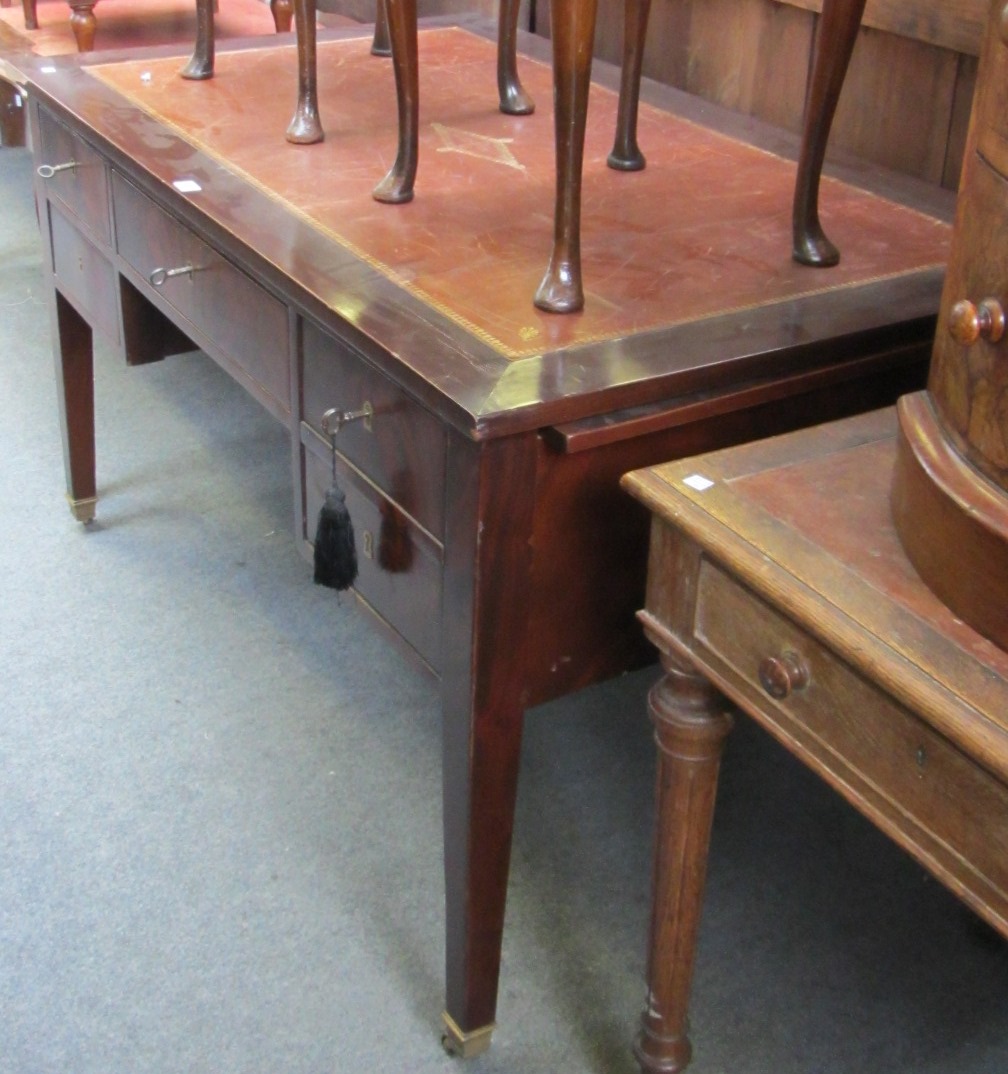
(381,45)
(83,24)
(626,155)
(573,29)
(283,15)
(514,99)
(397,186)
(305,127)
(838,29)
(201,64)
(691,724)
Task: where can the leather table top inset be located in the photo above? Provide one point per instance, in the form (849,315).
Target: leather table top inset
(703,229)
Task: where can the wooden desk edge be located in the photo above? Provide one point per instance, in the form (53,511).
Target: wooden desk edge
(695,514)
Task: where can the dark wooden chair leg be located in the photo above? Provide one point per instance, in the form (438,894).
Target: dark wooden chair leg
(691,725)
(201,63)
(838,29)
(626,155)
(514,100)
(83,23)
(283,15)
(305,127)
(573,29)
(30,9)
(397,186)
(380,43)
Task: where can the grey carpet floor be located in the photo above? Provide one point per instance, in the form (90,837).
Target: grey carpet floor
(220,801)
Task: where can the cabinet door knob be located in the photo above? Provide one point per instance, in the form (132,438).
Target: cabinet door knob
(780,675)
(968,323)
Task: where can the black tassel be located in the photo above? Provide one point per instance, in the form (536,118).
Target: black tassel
(335,554)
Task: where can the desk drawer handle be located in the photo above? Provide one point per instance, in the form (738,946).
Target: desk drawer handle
(780,675)
(47,171)
(334,419)
(161,275)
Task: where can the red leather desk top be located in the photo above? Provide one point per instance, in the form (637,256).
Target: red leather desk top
(704,229)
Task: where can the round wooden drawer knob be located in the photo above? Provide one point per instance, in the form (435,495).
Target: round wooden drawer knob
(968,323)
(780,675)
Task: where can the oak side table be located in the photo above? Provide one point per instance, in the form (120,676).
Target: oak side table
(778,585)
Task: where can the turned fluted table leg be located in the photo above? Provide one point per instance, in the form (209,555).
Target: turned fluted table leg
(691,724)
(838,29)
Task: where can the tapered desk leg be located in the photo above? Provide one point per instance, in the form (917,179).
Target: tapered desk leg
(75,387)
(838,29)
(487,567)
(690,728)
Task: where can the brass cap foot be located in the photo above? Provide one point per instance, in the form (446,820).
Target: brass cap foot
(465,1045)
(83,510)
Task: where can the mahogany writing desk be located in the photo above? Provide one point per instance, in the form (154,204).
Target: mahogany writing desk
(776,576)
(495,544)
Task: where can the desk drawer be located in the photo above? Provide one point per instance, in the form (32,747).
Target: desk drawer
(402,449)
(947,807)
(81,190)
(84,275)
(235,320)
(399,565)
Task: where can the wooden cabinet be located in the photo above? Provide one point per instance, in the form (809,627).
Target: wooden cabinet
(950,492)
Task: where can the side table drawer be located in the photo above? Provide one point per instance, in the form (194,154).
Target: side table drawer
(84,275)
(399,565)
(231,313)
(858,732)
(402,449)
(82,188)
